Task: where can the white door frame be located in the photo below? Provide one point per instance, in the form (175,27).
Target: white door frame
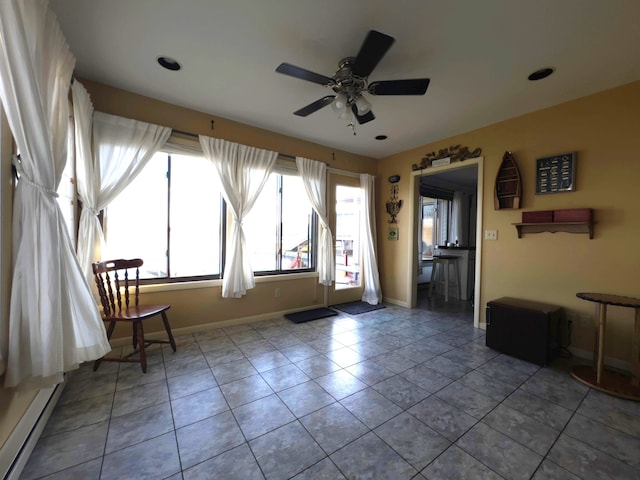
(414,202)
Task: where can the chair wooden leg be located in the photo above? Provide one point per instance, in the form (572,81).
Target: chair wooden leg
(110,328)
(143,355)
(165,320)
(134,336)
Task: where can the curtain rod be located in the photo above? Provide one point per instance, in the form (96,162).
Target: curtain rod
(284,155)
(194,135)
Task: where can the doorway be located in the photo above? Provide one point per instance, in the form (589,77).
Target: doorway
(345,205)
(436,205)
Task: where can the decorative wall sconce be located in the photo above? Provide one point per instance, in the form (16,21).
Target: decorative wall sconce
(394,204)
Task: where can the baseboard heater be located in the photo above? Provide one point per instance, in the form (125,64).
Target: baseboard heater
(523,329)
(17,449)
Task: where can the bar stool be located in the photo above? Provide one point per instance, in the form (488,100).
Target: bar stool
(445,262)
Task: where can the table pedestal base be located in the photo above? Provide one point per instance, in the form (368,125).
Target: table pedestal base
(611,382)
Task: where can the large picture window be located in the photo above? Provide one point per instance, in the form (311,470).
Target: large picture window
(170,216)
(173,216)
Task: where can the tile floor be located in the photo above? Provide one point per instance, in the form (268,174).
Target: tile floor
(391,394)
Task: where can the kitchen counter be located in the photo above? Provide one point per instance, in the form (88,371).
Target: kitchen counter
(444,247)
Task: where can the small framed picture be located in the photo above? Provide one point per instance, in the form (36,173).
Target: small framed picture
(556,173)
(392,234)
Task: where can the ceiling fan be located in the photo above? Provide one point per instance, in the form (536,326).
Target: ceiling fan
(349,82)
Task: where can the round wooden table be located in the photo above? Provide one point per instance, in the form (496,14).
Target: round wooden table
(601,379)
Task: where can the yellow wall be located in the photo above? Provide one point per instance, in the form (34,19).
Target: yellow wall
(603,130)
(119,102)
(194,307)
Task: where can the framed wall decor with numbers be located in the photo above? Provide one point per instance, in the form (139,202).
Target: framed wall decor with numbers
(556,173)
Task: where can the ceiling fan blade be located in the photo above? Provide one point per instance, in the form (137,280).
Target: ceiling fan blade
(371,52)
(301,73)
(416,86)
(367,117)
(315,106)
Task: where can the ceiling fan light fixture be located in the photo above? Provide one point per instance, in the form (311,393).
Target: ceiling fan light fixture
(339,103)
(346,115)
(362,105)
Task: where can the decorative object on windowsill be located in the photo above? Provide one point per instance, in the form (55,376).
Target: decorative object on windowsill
(508,189)
(556,173)
(394,205)
(445,156)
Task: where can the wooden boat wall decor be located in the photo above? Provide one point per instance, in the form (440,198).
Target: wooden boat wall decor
(508,189)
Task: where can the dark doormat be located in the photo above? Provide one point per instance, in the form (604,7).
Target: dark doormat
(316,313)
(354,308)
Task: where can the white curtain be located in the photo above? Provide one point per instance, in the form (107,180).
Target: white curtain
(243,171)
(121,149)
(372,292)
(459,218)
(54,323)
(314,177)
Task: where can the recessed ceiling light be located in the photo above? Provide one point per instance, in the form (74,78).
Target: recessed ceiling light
(381,137)
(542,73)
(169,63)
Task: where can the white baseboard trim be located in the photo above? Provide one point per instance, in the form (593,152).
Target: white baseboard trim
(400,303)
(205,327)
(16,451)
(615,363)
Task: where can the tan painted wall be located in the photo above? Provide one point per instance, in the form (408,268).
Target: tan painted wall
(603,130)
(191,308)
(119,102)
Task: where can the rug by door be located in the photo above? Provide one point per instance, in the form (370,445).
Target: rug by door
(355,308)
(307,315)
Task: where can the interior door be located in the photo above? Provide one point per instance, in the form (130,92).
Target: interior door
(345,217)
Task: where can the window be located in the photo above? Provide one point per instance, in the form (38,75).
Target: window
(173,216)
(170,216)
(279,228)
(427,230)
(436,213)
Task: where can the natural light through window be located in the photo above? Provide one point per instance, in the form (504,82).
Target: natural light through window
(279,227)
(137,222)
(348,207)
(173,217)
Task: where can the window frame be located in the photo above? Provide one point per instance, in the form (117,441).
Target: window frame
(280,170)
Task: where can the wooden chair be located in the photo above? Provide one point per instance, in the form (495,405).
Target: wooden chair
(113,281)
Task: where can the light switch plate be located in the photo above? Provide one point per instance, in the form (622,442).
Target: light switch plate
(490,234)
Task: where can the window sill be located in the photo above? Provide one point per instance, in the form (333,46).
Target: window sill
(167,287)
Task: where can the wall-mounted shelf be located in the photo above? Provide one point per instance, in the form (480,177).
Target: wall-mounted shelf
(553,227)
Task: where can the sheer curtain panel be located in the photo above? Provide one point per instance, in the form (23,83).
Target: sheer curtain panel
(314,177)
(243,172)
(54,323)
(121,149)
(372,292)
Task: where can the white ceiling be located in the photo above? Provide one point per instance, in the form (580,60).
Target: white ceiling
(477,54)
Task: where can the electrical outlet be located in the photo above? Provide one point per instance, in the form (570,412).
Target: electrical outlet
(276,292)
(490,234)
(585,320)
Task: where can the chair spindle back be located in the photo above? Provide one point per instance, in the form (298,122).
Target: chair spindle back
(109,288)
